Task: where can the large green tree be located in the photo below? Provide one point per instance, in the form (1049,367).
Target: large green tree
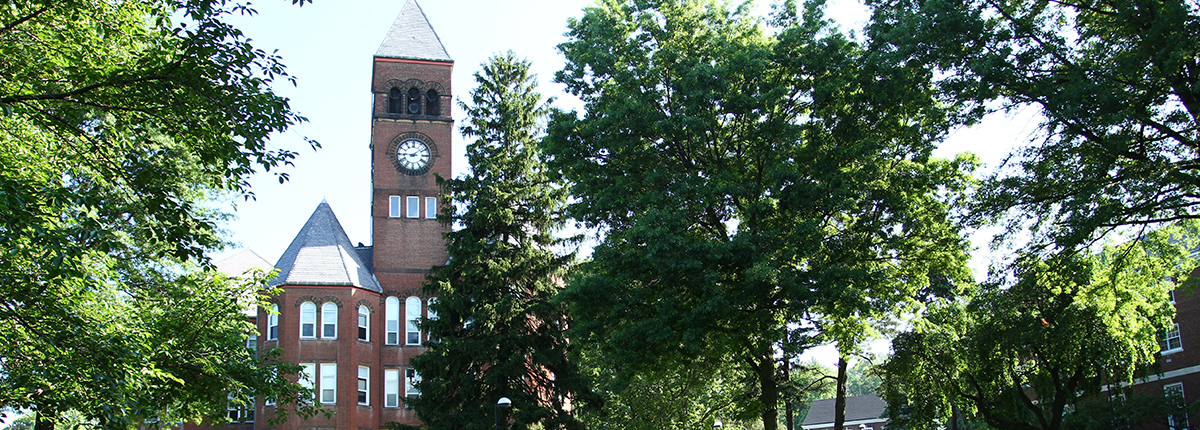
(119,120)
(1023,355)
(749,185)
(1117,84)
(499,332)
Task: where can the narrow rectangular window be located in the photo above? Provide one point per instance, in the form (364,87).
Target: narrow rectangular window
(411,378)
(1171,341)
(1177,420)
(432,314)
(412,310)
(252,342)
(392,317)
(329,320)
(273,323)
(394,206)
(363,318)
(308,379)
(391,388)
(414,207)
(328,383)
(431,207)
(364,378)
(308,320)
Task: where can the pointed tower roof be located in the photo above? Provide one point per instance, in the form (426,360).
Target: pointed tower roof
(412,37)
(321,254)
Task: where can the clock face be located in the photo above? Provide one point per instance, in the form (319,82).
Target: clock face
(412,156)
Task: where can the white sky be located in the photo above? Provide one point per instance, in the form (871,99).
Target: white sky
(328,47)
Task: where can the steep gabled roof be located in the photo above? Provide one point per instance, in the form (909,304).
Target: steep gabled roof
(412,37)
(321,254)
(858,408)
(237,264)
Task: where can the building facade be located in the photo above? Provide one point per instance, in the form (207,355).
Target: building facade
(348,313)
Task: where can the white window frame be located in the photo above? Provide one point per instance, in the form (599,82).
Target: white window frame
(239,413)
(364,323)
(412,207)
(329,314)
(273,323)
(432,313)
(307,378)
(364,385)
(431,207)
(1176,389)
(392,321)
(1172,342)
(328,383)
(411,378)
(394,206)
(252,342)
(412,317)
(308,316)
(391,388)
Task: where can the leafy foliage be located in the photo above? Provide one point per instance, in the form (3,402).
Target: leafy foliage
(1115,82)
(1021,356)
(744,181)
(499,331)
(117,124)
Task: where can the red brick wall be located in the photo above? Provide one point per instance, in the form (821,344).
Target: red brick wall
(405,246)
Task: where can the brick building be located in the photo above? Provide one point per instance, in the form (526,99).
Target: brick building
(348,313)
(1179,359)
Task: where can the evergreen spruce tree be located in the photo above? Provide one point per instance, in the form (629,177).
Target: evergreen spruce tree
(498,331)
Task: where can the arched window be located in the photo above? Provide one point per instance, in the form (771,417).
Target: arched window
(364,316)
(433,104)
(308,320)
(273,323)
(412,316)
(329,320)
(414,101)
(395,101)
(392,315)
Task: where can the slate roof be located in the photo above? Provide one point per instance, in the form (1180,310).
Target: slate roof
(412,37)
(858,408)
(321,254)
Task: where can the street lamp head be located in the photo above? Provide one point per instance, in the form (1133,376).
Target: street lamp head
(504,403)
(718,424)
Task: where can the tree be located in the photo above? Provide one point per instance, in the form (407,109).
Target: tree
(120,120)
(744,183)
(499,332)
(669,396)
(1023,355)
(1115,82)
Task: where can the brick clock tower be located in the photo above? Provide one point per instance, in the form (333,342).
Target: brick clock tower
(348,315)
(410,142)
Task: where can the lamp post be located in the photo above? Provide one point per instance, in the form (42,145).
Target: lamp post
(502,403)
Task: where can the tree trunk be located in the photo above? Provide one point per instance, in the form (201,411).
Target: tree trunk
(789,418)
(839,403)
(770,392)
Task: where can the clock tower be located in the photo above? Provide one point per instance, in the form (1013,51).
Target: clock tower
(411,129)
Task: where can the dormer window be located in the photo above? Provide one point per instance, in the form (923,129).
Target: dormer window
(433,104)
(414,101)
(395,99)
